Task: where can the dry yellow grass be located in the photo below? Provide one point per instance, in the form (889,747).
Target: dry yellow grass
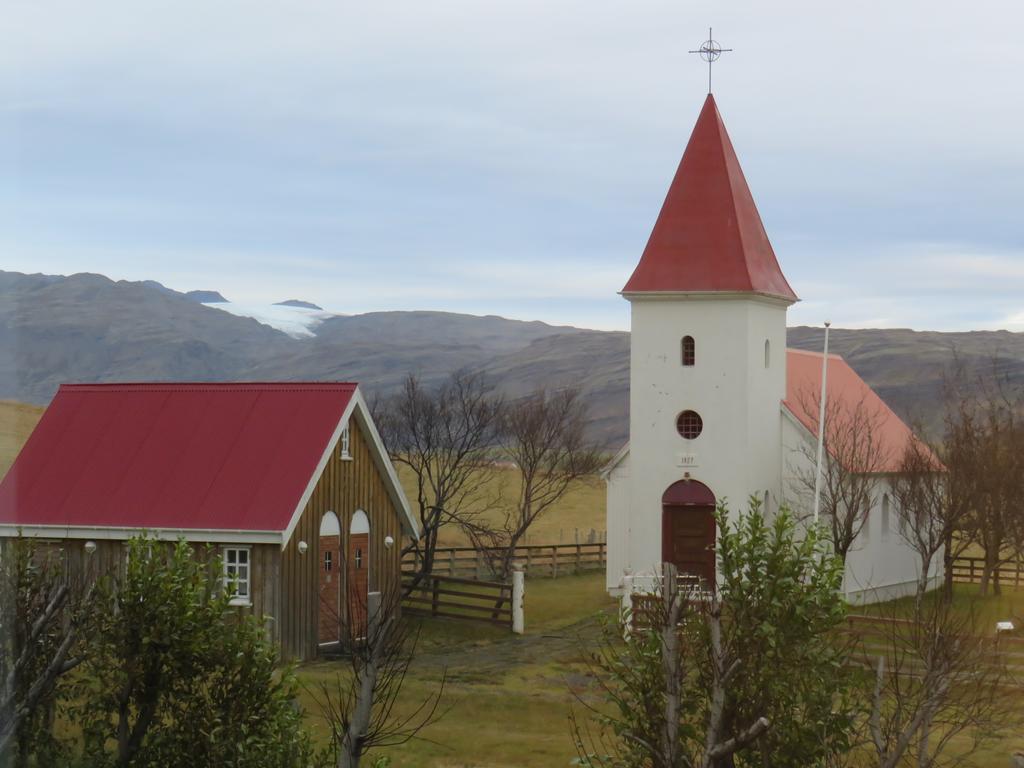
(582,508)
(17,420)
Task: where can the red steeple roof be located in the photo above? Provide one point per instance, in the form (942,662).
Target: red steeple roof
(709,236)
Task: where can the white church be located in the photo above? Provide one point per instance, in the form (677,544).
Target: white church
(715,394)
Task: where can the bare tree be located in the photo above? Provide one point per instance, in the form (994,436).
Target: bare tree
(924,507)
(40,622)
(361,707)
(938,693)
(985,456)
(445,438)
(544,435)
(855,453)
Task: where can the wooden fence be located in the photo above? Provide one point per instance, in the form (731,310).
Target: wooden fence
(873,636)
(968,570)
(551,560)
(455,598)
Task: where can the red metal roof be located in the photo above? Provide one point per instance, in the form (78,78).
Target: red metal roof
(178,456)
(709,236)
(803,383)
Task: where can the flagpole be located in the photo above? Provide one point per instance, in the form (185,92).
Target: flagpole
(821,426)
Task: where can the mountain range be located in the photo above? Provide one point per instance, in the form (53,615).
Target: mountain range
(86,327)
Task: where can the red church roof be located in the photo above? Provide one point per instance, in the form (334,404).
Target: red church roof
(803,383)
(709,236)
(237,457)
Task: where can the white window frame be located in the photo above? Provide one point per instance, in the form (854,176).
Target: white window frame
(344,443)
(241,597)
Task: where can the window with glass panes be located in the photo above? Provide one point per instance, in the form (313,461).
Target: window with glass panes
(237,572)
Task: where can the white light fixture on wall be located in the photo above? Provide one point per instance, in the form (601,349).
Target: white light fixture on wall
(90,547)
(303,546)
(389,542)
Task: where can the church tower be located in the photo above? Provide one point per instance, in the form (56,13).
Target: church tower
(707,366)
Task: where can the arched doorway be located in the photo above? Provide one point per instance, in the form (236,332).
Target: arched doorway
(329,630)
(358,569)
(688,529)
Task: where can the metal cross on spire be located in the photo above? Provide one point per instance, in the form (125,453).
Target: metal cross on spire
(709,51)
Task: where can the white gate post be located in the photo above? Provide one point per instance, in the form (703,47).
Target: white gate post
(518,590)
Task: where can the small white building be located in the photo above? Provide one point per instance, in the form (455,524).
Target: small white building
(717,403)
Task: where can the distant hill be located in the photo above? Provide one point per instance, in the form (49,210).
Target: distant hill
(297,303)
(89,328)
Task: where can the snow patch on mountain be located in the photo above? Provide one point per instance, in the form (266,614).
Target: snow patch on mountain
(297,322)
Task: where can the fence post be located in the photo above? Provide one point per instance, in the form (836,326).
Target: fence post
(435,596)
(578,553)
(554,561)
(626,605)
(518,591)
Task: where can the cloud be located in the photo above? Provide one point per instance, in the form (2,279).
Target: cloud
(511,157)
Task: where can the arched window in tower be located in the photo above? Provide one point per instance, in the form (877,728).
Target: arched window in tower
(767,353)
(689,351)
(885,516)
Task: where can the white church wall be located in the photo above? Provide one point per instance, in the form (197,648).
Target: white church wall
(737,397)
(796,465)
(617,525)
(880,565)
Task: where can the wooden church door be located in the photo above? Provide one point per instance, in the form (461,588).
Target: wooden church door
(688,530)
(357,575)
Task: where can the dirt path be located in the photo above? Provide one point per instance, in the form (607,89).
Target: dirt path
(557,645)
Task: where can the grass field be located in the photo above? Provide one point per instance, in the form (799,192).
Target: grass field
(510,697)
(582,508)
(985,611)
(17,420)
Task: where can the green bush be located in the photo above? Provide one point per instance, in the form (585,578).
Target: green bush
(175,676)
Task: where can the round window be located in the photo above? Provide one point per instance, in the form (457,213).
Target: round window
(689,424)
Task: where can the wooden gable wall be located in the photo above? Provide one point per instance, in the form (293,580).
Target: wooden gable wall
(345,486)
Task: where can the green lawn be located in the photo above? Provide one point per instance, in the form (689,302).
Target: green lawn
(986,611)
(510,697)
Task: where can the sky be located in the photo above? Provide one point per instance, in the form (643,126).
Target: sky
(510,158)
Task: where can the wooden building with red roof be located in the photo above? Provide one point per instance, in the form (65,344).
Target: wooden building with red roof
(288,481)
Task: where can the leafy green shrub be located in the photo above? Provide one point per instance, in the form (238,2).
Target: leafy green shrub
(176,676)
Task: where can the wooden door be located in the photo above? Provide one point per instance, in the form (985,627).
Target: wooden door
(688,540)
(330,602)
(358,584)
